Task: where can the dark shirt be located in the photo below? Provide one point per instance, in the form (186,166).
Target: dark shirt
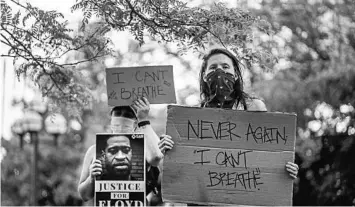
(153,186)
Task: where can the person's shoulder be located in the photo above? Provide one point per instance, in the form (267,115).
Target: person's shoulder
(255,104)
(91,151)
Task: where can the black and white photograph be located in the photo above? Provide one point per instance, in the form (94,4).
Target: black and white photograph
(177,102)
(122,181)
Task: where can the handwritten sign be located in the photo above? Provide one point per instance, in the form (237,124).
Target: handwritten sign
(125,84)
(223,157)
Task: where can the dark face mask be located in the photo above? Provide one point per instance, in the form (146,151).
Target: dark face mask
(220,89)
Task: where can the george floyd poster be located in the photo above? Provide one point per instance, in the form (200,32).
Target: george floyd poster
(122,181)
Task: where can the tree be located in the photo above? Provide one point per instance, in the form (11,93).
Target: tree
(39,40)
(314,41)
(58,171)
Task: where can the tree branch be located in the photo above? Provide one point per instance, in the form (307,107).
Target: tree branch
(18,4)
(10,45)
(23,30)
(144,19)
(87,60)
(34,59)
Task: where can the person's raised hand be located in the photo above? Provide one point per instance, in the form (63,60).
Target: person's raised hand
(165,143)
(141,107)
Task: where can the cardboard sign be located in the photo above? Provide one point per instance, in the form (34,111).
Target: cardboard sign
(223,157)
(122,182)
(125,84)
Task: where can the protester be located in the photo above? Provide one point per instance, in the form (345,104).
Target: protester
(123,120)
(221,86)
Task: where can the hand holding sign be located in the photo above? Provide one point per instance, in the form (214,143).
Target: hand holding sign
(166,143)
(126,84)
(292,169)
(95,168)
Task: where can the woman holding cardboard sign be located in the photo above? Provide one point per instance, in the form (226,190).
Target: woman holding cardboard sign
(221,85)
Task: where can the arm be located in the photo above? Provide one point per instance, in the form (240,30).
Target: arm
(154,155)
(91,168)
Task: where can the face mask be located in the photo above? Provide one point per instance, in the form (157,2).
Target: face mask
(220,89)
(122,125)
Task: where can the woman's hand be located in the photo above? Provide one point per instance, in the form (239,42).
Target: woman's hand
(292,169)
(165,143)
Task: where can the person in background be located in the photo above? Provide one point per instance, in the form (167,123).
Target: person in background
(127,119)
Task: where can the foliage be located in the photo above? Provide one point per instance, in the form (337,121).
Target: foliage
(57,172)
(320,34)
(315,44)
(327,174)
(40,41)
(174,21)
(15,168)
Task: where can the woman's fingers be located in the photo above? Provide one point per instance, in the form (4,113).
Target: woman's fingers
(292,169)
(293,164)
(167,144)
(163,144)
(293,176)
(165,136)
(165,148)
(167,140)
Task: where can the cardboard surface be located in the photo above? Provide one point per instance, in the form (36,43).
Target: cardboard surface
(229,157)
(125,84)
